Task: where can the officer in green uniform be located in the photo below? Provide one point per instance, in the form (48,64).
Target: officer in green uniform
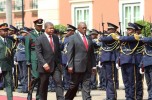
(32,58)
(6,60)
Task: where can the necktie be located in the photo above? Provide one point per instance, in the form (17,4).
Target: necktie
(85,42)
(51,43)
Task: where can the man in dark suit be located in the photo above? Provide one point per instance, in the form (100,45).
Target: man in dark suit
(49,55)
(81,62)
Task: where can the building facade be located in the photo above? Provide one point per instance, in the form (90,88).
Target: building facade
(93,12)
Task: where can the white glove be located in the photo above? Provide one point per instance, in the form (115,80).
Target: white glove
(99,64)
(15,63)
(117,66)
(12,70)
(0,70)
(140,71)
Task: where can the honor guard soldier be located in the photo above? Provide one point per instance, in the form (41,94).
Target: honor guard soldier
(108,59)
(94,35)
(128,45)
(32,58)
(6,60)
(138,57)
(20,60)
(146,64)
(66,77)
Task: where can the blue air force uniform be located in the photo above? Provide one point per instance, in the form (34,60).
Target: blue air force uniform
(108,59)
(128,45)
(138,57)
(21,59)
(65,40)
(147,64)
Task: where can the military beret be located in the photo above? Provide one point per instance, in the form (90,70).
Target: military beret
(71,27)
(38,22)
(139,27)
(110,25)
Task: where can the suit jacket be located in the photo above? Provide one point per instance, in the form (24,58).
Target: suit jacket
(45,53)
(78,57)
(6,55)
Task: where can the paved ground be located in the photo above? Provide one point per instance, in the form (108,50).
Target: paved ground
(96,94)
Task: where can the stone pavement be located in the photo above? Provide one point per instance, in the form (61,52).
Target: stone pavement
(96,94)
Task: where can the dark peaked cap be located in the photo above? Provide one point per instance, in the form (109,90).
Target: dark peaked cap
(4,26)
(110,25)
(94,31)
(139,27)
(132,26)
(13,28)
(71,27)
(38,22)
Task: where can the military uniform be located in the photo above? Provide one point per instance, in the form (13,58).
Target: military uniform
(147,64)
(6,62)
(20,60)
(93,34)
(127,62)
(138,57)
(31,58)
(65,40)
(108,59)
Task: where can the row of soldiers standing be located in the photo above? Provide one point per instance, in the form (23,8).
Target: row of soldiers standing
(130,53)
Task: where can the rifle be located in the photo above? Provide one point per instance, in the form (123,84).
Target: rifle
(120,28)
(16,78)
(102,25)
(150,25)
(144,27)
(29,76)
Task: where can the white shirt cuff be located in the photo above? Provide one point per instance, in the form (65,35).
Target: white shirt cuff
(94,68)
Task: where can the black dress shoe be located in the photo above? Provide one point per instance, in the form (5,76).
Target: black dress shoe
(1,88)
(29,97)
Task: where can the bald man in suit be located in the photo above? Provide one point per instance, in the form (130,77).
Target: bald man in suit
(81,62)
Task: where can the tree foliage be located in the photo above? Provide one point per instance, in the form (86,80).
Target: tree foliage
(146,29)
(61,28)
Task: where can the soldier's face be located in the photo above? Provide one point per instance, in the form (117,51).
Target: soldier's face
(49,29)
(38,27)
(130,31)
(111,30)
(4,32)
